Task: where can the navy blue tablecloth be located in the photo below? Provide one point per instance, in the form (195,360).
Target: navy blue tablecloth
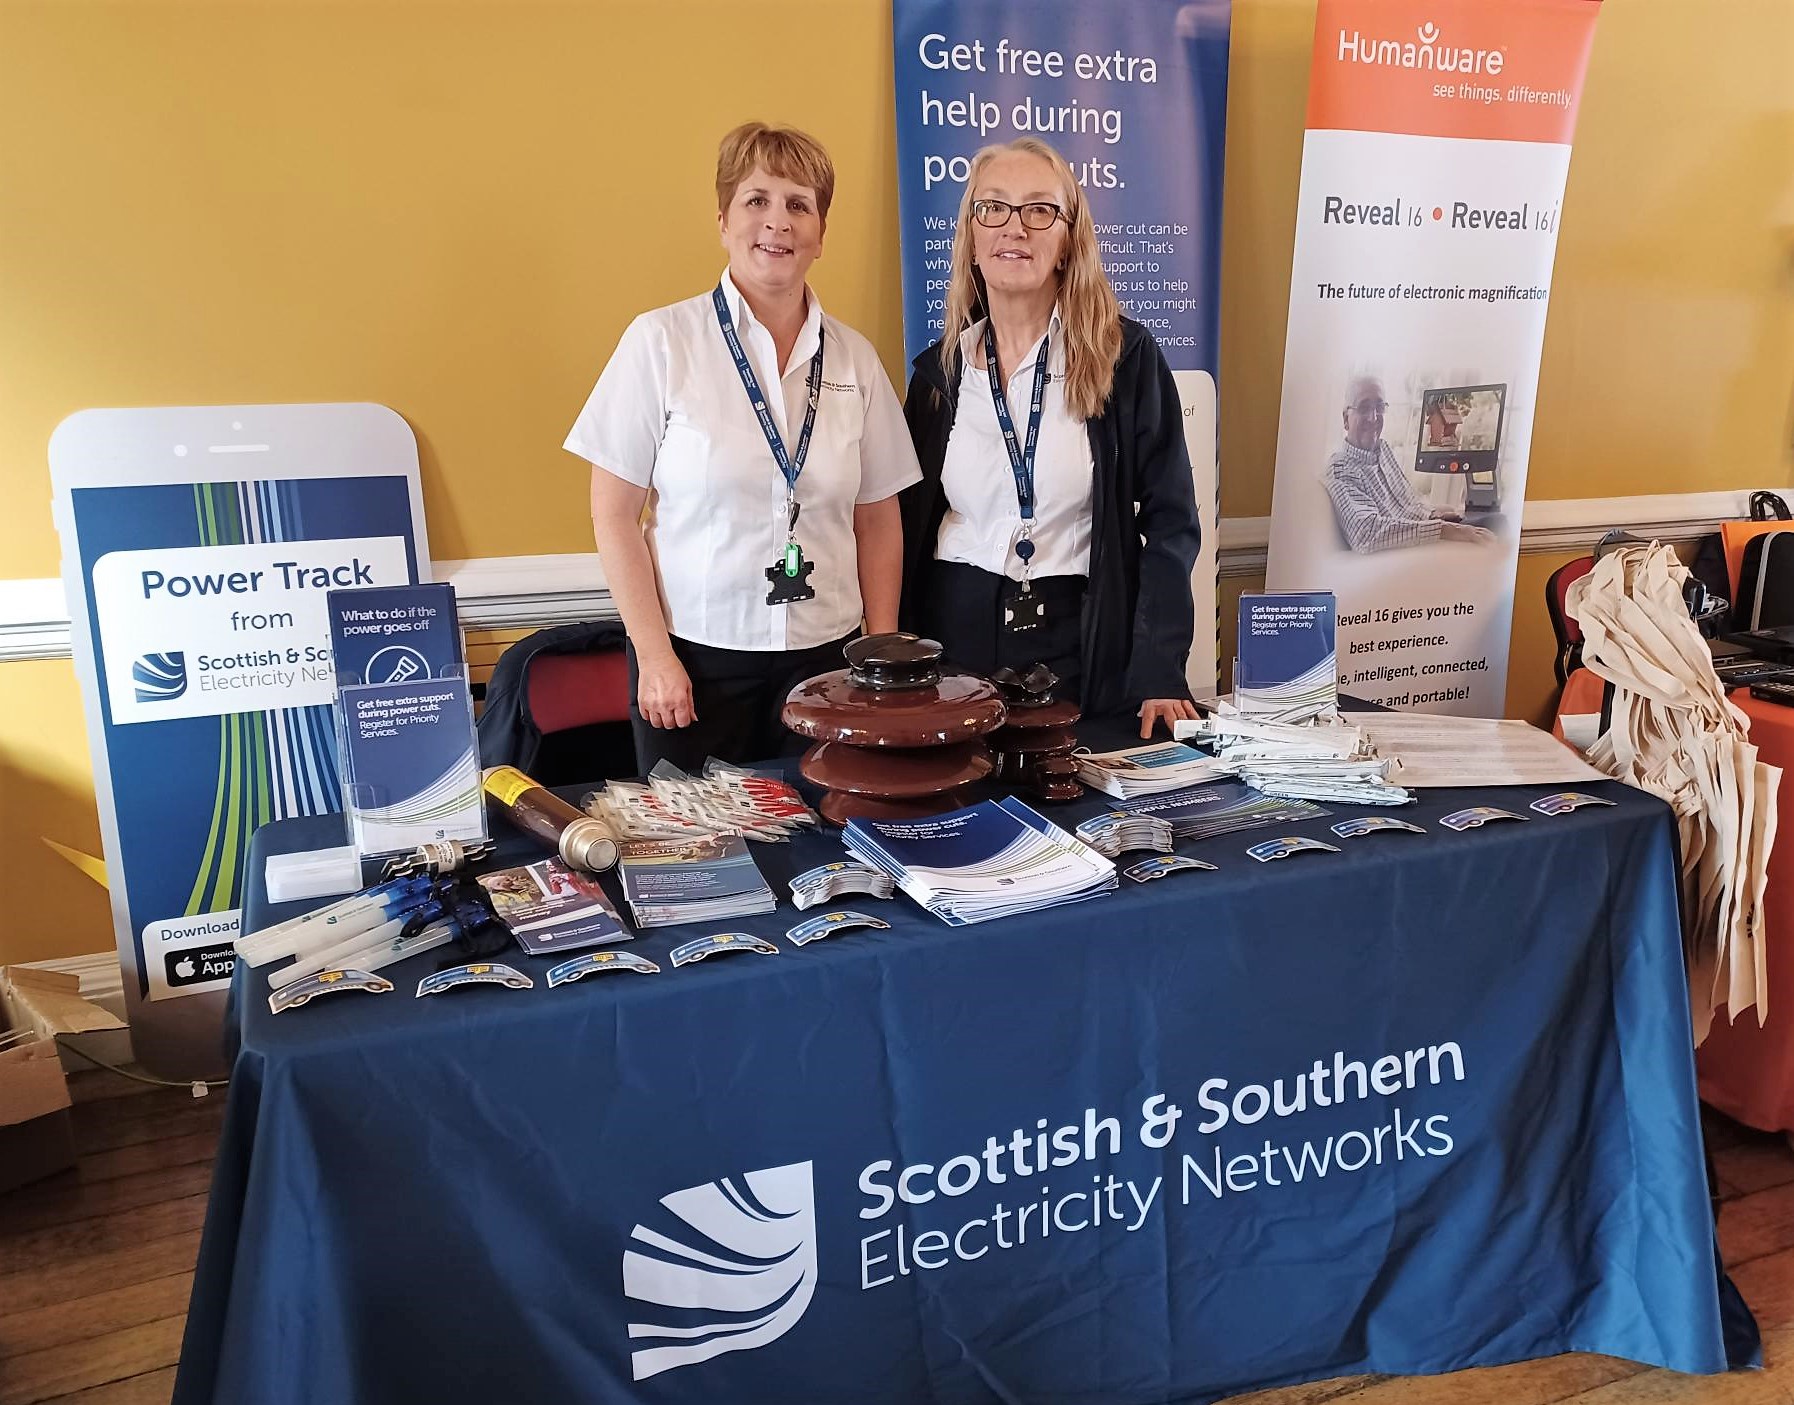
(1436,1108)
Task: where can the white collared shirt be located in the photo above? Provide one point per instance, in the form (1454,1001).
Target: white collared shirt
(669,414)
(984,517)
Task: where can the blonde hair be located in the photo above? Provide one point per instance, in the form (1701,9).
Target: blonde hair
(784,152)
(1089,314)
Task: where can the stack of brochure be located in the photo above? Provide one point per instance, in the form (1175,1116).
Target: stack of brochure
(1123,831)
(996,859)
(1221,807)
(668,881)
(1319,760)
(1146,770)
(550,907)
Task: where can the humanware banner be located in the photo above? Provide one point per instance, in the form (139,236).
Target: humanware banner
(1432,189)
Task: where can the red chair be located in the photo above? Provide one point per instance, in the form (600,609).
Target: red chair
(557,706)
(578,690)
(1568,632)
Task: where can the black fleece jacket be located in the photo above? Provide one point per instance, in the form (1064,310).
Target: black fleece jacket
(1139,615)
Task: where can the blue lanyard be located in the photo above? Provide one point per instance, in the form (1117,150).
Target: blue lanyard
(790,465)
(1021,457)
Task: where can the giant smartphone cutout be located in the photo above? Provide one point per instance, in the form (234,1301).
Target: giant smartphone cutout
(197,548)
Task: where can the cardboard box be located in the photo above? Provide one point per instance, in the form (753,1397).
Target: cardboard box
(37,1135)
(48,1003)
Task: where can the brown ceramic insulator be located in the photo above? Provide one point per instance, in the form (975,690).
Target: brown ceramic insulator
(833,709)
(1037,719)
(1034,750)
(897,774)
(1008,741)
(897,735)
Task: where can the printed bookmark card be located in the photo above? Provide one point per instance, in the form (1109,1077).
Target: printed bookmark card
(828,923)
(598,963)
(1148,869)
(1272,849)
(1373,824)
(1563,801)
(1476,817)
(721,943)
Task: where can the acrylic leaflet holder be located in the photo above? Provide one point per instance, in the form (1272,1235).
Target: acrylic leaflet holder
(410,759)
(404,718)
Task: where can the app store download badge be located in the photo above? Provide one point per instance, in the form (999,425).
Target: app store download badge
(184,955)
(199,965)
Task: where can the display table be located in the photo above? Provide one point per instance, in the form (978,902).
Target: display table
(1437,1110)
(1746,1069)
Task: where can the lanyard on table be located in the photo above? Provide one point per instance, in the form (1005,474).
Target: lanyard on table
(790,464)
(1021,456)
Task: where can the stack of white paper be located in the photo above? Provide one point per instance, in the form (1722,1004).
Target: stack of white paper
(996,859)
(1327,759)
(1146,770)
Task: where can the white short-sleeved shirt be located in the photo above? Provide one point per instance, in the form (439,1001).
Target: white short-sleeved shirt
(669,414)
(983,517)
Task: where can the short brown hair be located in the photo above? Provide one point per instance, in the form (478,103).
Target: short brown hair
(784,152)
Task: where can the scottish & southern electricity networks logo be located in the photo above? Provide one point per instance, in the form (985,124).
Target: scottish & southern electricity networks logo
(739,1275)
(160,677)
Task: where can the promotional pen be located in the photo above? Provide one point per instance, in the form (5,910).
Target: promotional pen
(329,925)
(344,952)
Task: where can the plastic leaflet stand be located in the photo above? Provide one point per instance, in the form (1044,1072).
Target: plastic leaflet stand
(408,747)
(410,764)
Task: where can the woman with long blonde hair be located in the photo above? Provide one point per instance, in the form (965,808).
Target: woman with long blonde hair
(1056,518)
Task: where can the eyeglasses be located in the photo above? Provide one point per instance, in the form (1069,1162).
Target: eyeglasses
(1037,214)
(1370,407)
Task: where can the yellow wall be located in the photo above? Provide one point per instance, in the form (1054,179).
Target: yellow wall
(453,208)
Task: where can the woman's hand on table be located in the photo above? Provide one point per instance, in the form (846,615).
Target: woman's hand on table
(1167,710)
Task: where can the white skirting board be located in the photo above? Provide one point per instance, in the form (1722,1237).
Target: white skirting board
(530,592)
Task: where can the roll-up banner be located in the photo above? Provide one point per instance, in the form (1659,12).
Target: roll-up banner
(1133,93)
(1432,191)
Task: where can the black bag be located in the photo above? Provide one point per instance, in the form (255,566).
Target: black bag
(1765,583)
(1769,507)
(1708,563)
(1708,567)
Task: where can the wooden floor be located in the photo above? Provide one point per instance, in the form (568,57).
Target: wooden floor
(96,1266)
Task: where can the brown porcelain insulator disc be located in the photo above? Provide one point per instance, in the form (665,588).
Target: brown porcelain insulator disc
(893,772)
(1046,743)
(1034,719)
(831,708)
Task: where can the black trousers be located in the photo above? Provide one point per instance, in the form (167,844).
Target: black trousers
(737,695)
(962,606)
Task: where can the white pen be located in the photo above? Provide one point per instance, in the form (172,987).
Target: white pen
(330,925)
(341,953)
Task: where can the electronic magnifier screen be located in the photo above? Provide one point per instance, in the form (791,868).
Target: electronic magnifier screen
(1460,429)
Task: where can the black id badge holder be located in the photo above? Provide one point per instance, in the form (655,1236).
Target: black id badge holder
(1023,609)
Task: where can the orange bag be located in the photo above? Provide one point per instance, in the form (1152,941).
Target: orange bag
(1734,535)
